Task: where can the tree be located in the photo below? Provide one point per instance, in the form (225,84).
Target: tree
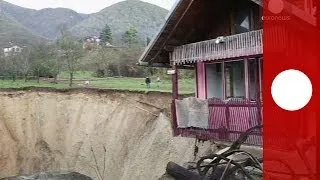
(105,57)
(12,65)
(130,37)
(42,58)
(70,51)
(37,55)
(25,62)
(57,67)
(110,62)
(2,66)
(106,35)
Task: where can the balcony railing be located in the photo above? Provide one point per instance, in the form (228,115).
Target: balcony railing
(226,120)
(239,45)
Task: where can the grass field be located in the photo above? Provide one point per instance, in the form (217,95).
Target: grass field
(186,86)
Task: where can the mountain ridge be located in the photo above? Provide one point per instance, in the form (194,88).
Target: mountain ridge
(145,17)
(45,22)
(14,33)
(48,22)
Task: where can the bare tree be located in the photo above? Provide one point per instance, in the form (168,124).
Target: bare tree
(71,51)
(25,63)
(12,64)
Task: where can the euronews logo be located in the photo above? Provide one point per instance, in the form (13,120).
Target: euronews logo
(275,7)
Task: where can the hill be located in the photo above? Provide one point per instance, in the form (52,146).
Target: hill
(50,21)
(11,32)
(144,17)
(46,22)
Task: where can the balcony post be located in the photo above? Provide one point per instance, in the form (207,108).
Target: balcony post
(175,78)
(246,78)
(175,83)
(175,95)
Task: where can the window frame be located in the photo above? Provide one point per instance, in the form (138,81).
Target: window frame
(225,77)
(246,76)
(258,86)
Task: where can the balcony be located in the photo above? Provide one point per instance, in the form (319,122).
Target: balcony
(239,45)
(221,120)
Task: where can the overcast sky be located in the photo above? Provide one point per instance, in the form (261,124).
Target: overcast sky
(81,6)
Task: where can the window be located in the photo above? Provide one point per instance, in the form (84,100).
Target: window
(214,80)
(235,79)
(255,79)
(254,84)
(242,19)
(260,61)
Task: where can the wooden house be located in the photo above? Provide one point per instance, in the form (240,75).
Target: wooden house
(222,41)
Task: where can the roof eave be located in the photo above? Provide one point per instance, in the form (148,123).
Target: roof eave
(156,38)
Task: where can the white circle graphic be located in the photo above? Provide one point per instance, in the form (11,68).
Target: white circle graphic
(291,90)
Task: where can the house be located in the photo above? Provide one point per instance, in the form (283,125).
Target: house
(12,50)
(89,42)
(222,41)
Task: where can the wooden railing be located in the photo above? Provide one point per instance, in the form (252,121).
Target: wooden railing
(227,120)
(239,45)
(234,117)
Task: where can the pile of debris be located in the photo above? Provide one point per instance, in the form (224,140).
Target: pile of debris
(231,163)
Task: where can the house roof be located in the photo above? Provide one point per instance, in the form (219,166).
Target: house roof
(188,21)
(150,55)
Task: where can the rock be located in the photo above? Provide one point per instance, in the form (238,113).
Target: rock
(51,176)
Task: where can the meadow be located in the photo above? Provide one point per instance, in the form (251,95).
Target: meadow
(186,86)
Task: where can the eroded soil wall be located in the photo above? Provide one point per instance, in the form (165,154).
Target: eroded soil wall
(81,131)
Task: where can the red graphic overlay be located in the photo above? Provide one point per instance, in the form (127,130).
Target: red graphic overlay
(291,41)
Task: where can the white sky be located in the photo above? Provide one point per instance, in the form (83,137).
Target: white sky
(81,6)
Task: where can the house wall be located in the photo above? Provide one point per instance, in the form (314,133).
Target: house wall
(223,28)
(226,19)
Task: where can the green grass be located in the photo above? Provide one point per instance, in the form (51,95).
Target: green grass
(77,75)
(32,83)
(186,86)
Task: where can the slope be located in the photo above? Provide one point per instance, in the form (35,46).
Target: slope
(11,32)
